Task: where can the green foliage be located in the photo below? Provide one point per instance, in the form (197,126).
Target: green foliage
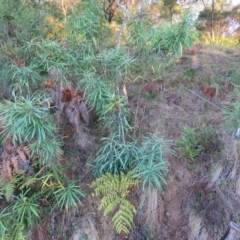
(10,229)
(3,225)
(151,96)
(85,26)
(19,19)
(232,117)
(36,46)
(99,92)
(28,120)
(226,41)
(190,73)
(139,35)
(145,158)
(173,39)
(197,140)
(151,164)
(236,76)
(115,190)
(18,181)
(15,233)
(23,79)
(167,40)
(8,187)
(47,150)
(68,196)
(26,209)
(109,66)
(207,136)
(26,182)
(115,156)
(49,55)
(189,143)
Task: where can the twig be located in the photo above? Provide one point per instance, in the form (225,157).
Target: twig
(53,225)
(203,98)
(136,113)
(196,182)
(142,118)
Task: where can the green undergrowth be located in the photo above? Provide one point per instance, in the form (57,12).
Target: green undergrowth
(62,67)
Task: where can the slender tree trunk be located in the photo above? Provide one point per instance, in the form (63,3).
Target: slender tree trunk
(64,10)
(212,21)
(171,15)
(119,38)
(126,17)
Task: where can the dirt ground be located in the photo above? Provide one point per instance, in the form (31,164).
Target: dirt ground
(200,198)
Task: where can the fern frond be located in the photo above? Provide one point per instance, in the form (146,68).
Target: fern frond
(107,199)
(120,225)
(27,182)
(110,207)
(123,217)
(115,189)
(16,233)
(8,189)
(127,206)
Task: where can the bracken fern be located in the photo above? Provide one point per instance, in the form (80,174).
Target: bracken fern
(115,190)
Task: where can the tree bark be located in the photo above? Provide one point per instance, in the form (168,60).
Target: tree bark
(119,38)
(212,21)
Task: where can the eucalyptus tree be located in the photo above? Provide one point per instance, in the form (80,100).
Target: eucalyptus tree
(217,18)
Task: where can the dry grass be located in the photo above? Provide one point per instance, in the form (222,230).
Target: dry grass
(197,230)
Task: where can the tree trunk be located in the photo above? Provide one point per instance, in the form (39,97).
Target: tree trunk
(212,21)
(119,38)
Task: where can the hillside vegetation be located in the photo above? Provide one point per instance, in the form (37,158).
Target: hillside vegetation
(118,121)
